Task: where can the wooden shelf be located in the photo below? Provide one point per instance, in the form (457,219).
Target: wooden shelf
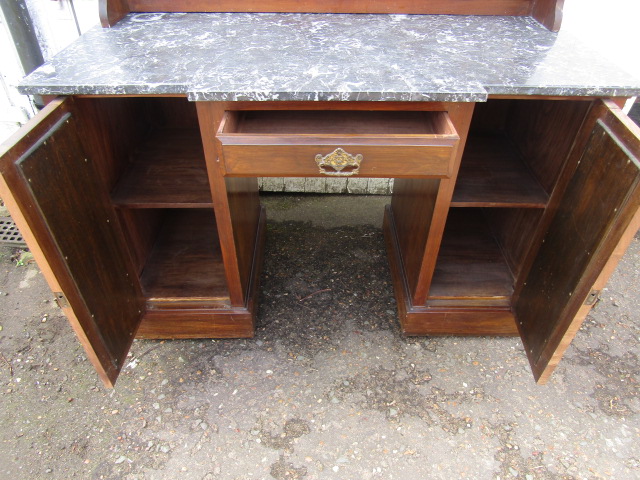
(185,266)
(471,270)
(492,175)
(167,170)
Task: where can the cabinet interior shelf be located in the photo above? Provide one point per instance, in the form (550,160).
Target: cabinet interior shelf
(471,270)
(167,170)
(185,265)
(493,175)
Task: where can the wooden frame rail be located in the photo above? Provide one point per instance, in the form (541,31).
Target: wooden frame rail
(547,12)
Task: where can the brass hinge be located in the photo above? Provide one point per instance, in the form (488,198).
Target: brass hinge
(61,300)
(593,297)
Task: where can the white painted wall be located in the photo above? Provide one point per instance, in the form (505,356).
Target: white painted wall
(609,27)
(56,28)
(56,24)
(15,109)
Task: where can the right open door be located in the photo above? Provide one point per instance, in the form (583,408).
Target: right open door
(598,205)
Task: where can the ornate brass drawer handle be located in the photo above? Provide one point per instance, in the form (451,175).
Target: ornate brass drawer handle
(339,163)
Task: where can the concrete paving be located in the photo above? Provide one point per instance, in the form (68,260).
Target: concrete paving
(328,388)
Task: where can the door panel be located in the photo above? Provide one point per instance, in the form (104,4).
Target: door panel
(67,210)
(600,201)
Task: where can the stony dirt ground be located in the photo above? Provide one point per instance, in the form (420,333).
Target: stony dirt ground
(328,388)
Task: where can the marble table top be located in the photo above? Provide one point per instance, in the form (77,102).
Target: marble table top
(328,57)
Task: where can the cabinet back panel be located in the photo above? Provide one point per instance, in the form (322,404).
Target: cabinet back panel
(471,270)
(514,228)
(169,112)
(185,264)
(490,118)
(140,227)
(110,129)
(543,131)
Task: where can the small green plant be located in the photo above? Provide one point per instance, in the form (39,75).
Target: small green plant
(23,258)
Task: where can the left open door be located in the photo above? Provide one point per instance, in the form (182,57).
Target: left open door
(60,204)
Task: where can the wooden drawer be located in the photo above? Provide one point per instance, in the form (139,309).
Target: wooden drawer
(337,143)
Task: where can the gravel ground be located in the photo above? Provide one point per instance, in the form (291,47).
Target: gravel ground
(328,388)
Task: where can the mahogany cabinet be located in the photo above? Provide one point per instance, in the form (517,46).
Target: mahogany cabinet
(143,212)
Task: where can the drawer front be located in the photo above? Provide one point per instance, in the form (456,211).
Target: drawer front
(304,154)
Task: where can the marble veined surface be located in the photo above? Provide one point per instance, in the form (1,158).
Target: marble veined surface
(248,56)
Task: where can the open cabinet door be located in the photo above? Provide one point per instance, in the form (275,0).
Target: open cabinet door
(55,195)
(598,206)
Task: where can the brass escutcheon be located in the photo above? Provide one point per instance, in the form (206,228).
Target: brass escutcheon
(335,162)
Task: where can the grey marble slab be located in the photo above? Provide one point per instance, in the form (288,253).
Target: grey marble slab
(243,56)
